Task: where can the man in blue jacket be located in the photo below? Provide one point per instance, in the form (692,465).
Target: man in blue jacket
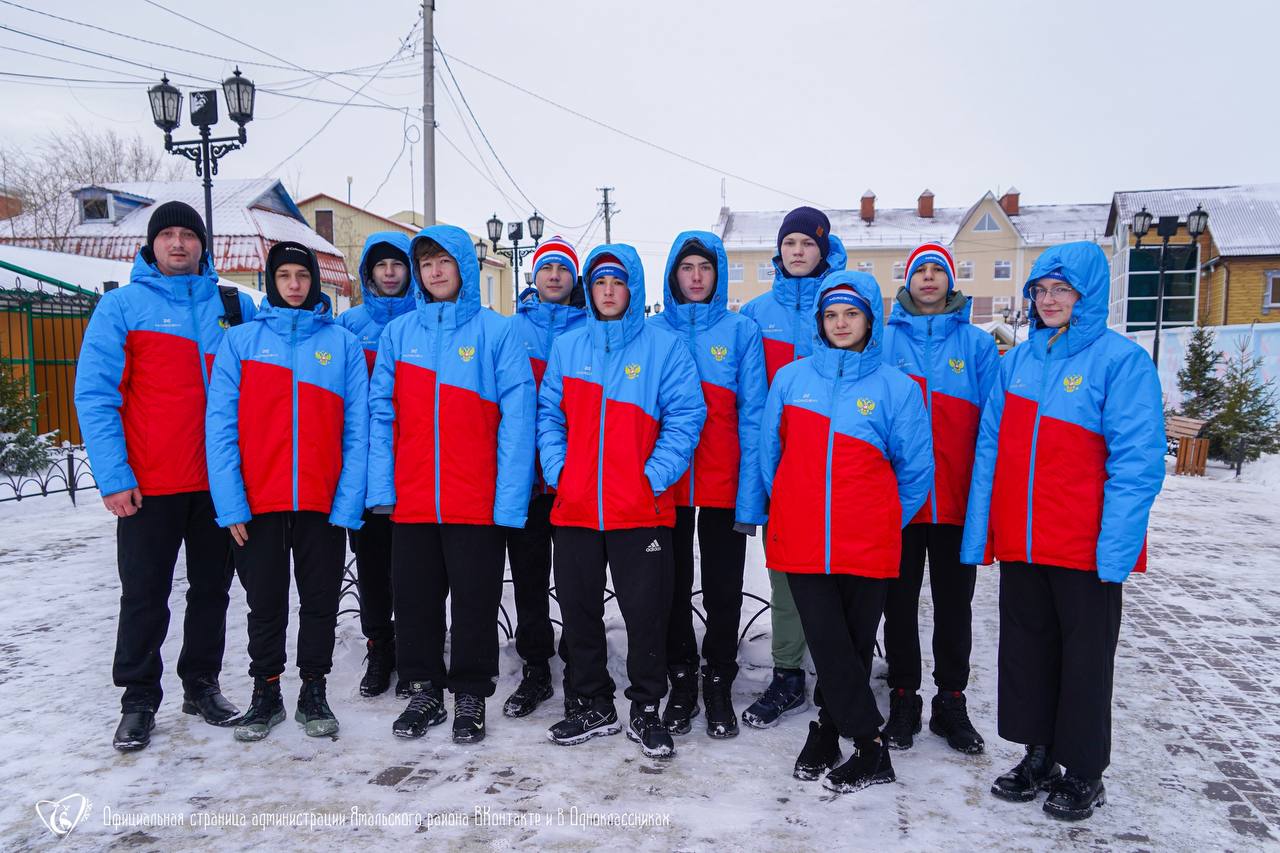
(141,384)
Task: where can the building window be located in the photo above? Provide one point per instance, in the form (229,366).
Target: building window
(1000,304)
(1271,298)
(987,223)
(982,308)
(1002,271)
(95,209)
(900,271)
(324,224)
(488,291)
(735,272)
(764,271)
(964,270)
(1180,287)
(867,267)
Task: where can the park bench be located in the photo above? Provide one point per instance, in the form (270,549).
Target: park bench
(1193,451)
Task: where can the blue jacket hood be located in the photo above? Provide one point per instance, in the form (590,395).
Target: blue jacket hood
(172,287)
(917,325)
(545,314)
(384,308)
(827,358)
(615,333)
(309,321)
(458,244)
(1084,266)
(788,291)
(675,310)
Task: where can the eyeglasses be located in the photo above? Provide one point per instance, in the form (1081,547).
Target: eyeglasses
(1058,292)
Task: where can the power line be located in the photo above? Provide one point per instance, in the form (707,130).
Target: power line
(104,55)
(463,121)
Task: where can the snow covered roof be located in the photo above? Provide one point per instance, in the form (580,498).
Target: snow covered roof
(1243,219)
(1046,224)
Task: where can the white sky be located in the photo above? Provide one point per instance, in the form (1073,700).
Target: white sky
(1067,101)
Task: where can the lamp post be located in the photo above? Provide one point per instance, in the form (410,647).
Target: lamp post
(1016,319)
(166,105)
(1166,227)
(515,233)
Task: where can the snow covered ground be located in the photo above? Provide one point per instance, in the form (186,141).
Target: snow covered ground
(1196,761)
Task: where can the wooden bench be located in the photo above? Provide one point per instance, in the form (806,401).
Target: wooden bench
(1193,451)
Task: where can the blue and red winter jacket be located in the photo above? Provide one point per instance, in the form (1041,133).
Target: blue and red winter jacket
(955,365)
(729,354)
(287,427)
(143,376)
(846,455)
(618,415)
(367,320)
(538,325)
(451,407)
(1071,449)
(785,313)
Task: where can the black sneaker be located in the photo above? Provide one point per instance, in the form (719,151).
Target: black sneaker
(266,711)
(717,692)
(535,688)
(313,708)
(905,708)
(1036,772)
(821,752)
(648,730)
(426,709)
(784,695)
(1074,798)
(134,731)
(468,718)
(869,765)
(585,721)
(380,663)
(203,697)
(682,701)
(950,719)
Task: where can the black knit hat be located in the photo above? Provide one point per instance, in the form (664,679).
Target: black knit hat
(692,247)
(176,213)
(292,253)
(382,252)
(812,223)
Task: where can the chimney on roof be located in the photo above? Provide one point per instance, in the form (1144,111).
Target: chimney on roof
(868,212)
(1009,201)
(924,205)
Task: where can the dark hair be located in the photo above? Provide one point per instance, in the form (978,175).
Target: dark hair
(425,247)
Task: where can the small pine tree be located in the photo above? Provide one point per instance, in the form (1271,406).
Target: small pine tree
(1198,379)
(1248,425)
(22,451)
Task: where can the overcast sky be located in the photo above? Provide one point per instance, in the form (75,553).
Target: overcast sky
(815,101)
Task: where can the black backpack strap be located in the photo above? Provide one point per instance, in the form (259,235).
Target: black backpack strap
(230,305)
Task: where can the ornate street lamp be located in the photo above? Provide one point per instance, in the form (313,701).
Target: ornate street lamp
(515,233)
(482,251)
(1166,227)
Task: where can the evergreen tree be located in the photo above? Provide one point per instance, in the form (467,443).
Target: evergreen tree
(1198,379)
(22,451)
(1248,424)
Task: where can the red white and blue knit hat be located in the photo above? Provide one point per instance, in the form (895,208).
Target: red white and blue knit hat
(933,253)
(607,264)
(555,251)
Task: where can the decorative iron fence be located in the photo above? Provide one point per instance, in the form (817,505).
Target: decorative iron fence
(67,474)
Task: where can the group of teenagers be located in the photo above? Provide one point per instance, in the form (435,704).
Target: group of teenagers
(449,441)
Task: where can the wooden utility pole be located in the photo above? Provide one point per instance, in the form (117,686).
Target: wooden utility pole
(428,114)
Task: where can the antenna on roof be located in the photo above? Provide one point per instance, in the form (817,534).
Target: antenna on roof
(723,202)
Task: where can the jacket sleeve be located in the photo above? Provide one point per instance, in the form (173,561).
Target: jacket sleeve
(381,490)
(988,364)
(1133,428)
(348,500)
(247,309)
(976,547)
(552,430)
(770,451)
(222,437)
(752,390)
(518,405)
(911,449)
(682,410)
(101,376)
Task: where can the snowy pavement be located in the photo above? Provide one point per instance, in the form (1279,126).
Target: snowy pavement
(1196,741)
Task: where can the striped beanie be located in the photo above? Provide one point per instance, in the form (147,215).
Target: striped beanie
(932,253)
(608,265)
(843,294)
(555,251)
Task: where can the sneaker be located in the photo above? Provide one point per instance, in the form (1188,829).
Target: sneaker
(266,711)
(587,720)
(717,691)
(1036,772)
(821,752)
(1075,797)
(905,708)
(784,695)
(404,688)
(380,662)
(313,708)
(950,719)
(426,709)
(869,765)
(468,718)
(682,701)
(648,730)
(535,688)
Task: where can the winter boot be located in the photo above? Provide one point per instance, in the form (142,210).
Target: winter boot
(821,751)
(904,719)
(717,691)
(426,709)
(585,720)
(203,697)
(1036,772)
(535,688)
(380,663)
(648,730)
(468,718)
(682,702)
(1074,798)
(313,708)
(869,765)
(950,719)
(134,731)
(784,695)
(266,710)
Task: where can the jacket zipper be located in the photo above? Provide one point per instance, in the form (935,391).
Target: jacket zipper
(928,404)
(435,419)
(293,374)
(1035,438)
(604,399)
(831,439)
(195,328)
(693,351)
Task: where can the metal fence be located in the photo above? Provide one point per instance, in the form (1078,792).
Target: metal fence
(68,473)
